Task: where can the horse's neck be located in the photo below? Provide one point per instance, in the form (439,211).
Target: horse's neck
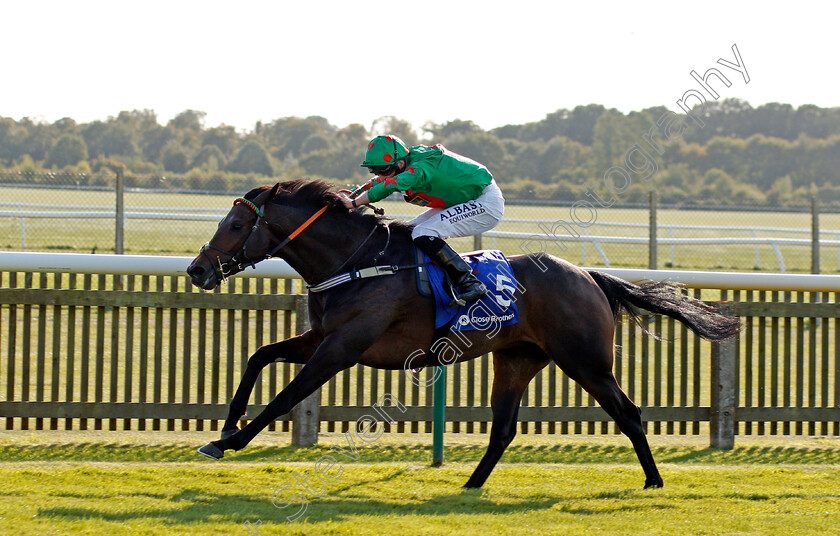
(319,253)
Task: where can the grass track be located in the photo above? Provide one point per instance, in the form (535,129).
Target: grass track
(152,483)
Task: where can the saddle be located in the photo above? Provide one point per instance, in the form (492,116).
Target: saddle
(497,309)
(424,283)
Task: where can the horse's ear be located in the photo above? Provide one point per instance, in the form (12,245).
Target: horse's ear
(266,195)
(273,192)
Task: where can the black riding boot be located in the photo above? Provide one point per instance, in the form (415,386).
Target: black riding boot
(455,267)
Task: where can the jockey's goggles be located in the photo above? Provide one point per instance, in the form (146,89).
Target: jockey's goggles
(382,170)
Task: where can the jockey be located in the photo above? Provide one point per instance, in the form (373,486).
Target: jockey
(462,197)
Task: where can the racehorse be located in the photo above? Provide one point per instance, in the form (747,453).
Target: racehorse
(567,314)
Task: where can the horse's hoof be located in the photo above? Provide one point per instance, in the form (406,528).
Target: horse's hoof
(654,484)
(228,433)
(212,451)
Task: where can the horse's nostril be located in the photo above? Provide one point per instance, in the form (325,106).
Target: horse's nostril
(195,271)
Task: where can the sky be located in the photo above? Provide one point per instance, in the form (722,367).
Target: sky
(490,62)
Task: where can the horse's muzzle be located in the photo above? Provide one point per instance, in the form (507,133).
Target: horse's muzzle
(201,277)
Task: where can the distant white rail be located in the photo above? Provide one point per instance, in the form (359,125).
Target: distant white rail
(596,241)
(221,211)
(210,214)
(93,215)
(160,213)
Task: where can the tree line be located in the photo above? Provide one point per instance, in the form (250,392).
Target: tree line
(773,154)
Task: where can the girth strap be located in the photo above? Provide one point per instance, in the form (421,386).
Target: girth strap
(362,273)
(373,271)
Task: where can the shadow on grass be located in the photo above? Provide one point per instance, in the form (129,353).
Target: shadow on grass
(195,506)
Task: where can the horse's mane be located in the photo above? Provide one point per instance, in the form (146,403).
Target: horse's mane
(317,193)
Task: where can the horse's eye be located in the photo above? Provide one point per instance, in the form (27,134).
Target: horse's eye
(236,226)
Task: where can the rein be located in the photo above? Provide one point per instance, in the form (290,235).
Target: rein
(260,219)
(233,262)
(292,236)
(370,234)
(374,271)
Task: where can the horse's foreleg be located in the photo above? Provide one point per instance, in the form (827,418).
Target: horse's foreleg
(512,371)
(294,350)
(331,357)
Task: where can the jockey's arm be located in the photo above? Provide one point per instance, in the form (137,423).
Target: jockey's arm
(360,200)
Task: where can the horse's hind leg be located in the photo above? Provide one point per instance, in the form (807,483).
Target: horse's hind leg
(513,369)
(294,350)
(605,389)
(585,354)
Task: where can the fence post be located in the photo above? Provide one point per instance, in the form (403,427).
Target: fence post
(815,236)
(722,411)
(22,229)
(305,416)
(477,242)
(652,261)
(439,418)
(119,229)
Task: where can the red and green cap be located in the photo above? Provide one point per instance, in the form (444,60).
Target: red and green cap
(384,151)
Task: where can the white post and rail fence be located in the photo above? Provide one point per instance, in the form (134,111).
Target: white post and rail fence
(124,342)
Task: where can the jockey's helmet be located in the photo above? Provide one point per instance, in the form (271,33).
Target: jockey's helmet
(384,151)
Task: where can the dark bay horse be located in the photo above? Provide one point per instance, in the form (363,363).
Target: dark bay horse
(567,314)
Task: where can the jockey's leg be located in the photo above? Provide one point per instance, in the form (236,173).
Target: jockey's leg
(424,217)
(455,267)
(465,219)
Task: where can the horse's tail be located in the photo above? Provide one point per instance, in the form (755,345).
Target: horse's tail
(661,298)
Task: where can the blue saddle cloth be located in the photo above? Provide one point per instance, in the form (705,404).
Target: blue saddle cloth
(496,309)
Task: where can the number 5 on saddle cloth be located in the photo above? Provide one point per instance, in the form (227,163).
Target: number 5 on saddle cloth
(496,309)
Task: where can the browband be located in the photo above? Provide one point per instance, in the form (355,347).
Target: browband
(243,201)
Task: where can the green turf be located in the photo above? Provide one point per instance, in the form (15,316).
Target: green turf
(153,484)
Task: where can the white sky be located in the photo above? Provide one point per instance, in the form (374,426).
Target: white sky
(490,62)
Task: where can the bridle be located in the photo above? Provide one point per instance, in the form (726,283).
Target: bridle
(239,260)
